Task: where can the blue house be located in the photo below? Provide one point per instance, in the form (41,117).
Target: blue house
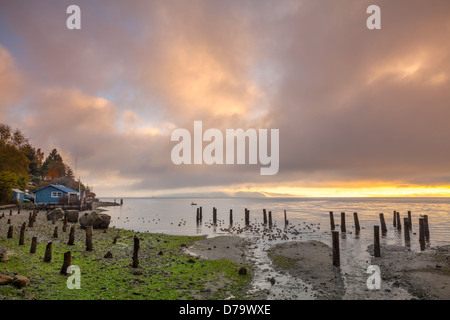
(52,192)
(17,195)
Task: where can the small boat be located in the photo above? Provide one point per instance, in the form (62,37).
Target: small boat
(193,204)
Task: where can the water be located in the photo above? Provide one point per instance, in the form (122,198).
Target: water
(308,219)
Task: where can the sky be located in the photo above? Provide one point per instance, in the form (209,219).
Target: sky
(360,112)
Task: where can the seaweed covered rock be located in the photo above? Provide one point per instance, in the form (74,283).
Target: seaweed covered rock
(72,215)
(58,213)
(95,220)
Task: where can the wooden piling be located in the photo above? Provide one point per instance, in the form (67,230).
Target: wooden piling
(54,219)
(72,236)
(55,232)
(9,221)
(355,217)
(383,224)
(406,225)
(231,217)
(197,216)
(422,234)
(426,227)
(343,229)
(22,234)
(376,241)
(395,218)
(67,262)
(89,246)
(409,220)
(10,212)
(201,214)
(286,222)
(33,245)
(10,232)
(214,216)
(270,219)
(335,246)
(332,221)
(48,252)
(64,229)
(30,220)
(264,216)
(136,252)
(18,210)
(399,223)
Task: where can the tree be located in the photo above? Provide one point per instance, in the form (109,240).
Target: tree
(69,173)
(53,165)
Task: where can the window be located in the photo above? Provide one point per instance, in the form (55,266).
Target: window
(56,194)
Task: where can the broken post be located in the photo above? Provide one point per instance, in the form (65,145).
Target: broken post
(48,252)
(395,218)
(197,216)
(343,229)
(270,219)
(10,232)
(383,224)
(426,227)
(135,252)
(55,232)
(67,262)
(332,221)
(421,234)
(22,234)
(264,216)
(72,236)
(214,216)
(409,220)
(231,217)
(285,219)
(89,246)
(399,224)
(65,224)
(30,220)
(406,224)
(376,241)
(33,245)
(335,246)
(355,217)
(201,214)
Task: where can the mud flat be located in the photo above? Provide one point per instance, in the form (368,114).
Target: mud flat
(425,275)
(311,262)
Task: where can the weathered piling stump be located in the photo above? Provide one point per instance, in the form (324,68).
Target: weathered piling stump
(355,217)
(197,217)
(332,221)
(395,218)
(286,222)
(343,229)
(335,246)
(383,224)
(10,232)
(136,252)
(30,220)
(376,241)
(72,236)
(214,216)
(264,216)
(64,228)
(231,217)
(410,220)
(406,230)
(89,246)
(247,217)
(48,252)
(426,227)
(421,234)
(33,245)
(22,234)
(55,232)
(18,210)
(9,221)
(54,219)
(10,212)
(270,219)
(67,262)
(201,214)
(399,223)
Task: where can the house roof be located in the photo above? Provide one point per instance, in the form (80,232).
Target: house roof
(59,187)
(17,191)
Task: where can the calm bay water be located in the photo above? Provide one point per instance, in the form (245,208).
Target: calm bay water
(177,216)
(308,220)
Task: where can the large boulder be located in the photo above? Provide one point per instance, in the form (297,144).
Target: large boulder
(20,281)
(5,279)
(58,213)
(72,215)
(95,220)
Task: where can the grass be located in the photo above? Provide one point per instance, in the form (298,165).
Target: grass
(167,272)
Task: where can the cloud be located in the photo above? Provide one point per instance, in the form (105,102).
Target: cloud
(354,106)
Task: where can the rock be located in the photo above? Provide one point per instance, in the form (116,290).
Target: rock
(243,271)
(5,279)
(3,254)
(96,220)
(136,271)
(108,255)
(20,281)
(72,215)
(58,213)
(272,281)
